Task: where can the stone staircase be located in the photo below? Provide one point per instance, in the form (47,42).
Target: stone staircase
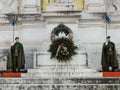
(44,67)
(59,84)
(61,71)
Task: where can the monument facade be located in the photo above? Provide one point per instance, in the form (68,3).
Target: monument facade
(36,19)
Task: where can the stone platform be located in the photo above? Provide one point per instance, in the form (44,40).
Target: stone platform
(48,74)
(11,74)
(45,67)
(60,84)
(61,72)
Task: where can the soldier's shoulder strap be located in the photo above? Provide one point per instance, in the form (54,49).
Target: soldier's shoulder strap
(112,43)
(20,44)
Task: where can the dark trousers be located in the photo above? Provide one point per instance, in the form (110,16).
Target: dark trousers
(109,62)
(15,64)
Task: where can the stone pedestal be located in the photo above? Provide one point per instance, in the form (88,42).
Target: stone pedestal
(46,67)
(43,59)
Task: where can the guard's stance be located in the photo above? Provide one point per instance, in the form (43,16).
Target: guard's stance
(109,56)
(17,61)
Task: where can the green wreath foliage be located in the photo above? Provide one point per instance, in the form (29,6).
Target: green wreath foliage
(62,54)
(61,28)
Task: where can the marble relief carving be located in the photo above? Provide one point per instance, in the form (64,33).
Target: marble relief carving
(30,6)
(95,5)
(102,5)
(11,6)
(19,6)
(113,5)
(26,6)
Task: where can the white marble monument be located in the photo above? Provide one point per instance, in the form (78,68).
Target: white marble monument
(34,28)
(45,67)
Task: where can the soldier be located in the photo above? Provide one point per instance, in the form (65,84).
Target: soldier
(109,56)
(17,60)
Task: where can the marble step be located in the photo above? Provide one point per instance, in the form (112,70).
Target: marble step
(59,87)
(86,80)
(61,75)
(61,70)
(59,84)
(63,66)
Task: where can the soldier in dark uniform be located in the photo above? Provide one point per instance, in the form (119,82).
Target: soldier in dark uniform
(17,60)
(109,56)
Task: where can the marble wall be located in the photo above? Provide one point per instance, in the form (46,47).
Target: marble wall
(34,6)
(88,35)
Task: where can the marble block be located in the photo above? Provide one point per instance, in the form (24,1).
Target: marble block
(30,9)
(67,74)
(43,59)
(45,67)
(3,62)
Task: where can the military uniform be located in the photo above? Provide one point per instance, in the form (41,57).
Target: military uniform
(17,60)
(109,57)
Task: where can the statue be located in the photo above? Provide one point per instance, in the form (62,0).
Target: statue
(112,5)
